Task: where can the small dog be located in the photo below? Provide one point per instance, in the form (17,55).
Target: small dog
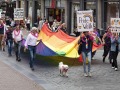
(63,69)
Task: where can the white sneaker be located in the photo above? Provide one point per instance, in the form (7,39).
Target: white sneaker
(89,74)
(85,75)
(113,67)
(116,69)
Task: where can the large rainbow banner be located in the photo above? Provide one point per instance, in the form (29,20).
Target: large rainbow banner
(58,44)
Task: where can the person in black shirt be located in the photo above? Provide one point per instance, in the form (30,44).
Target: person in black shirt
(9,40)
(107,43)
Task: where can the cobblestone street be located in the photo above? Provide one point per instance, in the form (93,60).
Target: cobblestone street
(104,77)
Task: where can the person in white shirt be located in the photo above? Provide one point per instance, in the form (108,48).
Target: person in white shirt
(17,37)
(55,25)
(40,24)
(27,23)
(30,44)
(12,23)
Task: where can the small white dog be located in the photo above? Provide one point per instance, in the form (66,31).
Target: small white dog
(63,69)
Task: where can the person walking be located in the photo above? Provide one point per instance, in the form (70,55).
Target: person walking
(40,24)
(17,37)
(3,30)
(107,43)
(114,51)
(27,21)
(86,41)
(97,40)
(30,44)
(9,40)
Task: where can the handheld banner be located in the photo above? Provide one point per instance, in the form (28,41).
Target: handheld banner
(85,21)
(18,13)
(115,25)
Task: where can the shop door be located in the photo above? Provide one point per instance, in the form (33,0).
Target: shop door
(111,10)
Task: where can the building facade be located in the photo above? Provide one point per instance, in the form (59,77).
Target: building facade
(65,11)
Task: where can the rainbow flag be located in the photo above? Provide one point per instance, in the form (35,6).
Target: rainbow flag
(58,44)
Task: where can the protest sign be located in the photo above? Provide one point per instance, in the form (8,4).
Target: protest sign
(115,25)
(18,13)
(85,21)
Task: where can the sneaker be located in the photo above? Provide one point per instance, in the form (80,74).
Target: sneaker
(89,74)
(19,59)
(116,69)
(85,75)
(113,67)
(103,59)
(32,69)
(16,59)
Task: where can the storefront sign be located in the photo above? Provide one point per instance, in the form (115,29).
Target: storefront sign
(115,25)
(18,13)
(85,20)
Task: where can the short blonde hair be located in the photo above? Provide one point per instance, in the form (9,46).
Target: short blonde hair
(34,28)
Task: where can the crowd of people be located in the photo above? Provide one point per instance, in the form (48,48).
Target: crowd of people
(11,34)
(110,41)
(54,27)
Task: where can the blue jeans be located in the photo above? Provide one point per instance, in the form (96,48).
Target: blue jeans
(18,49)
(10,43)
(32,51)
(86,55)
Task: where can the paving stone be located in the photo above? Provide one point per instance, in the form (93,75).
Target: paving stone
(104,77)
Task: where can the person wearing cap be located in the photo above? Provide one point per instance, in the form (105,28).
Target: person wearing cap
(30,44)
(9,40)
(17,37)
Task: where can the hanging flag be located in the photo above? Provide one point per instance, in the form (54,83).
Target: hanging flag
(53,3)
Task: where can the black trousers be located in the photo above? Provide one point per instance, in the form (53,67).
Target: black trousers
(113,57)
(106,50)
(93,54)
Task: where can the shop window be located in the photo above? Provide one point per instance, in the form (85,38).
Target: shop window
(47,3)
(57,14)
(58,3)
(91,6)
(112,11)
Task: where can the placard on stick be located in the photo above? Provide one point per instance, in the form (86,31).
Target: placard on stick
(18,14)
(115,25)
(85,21)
